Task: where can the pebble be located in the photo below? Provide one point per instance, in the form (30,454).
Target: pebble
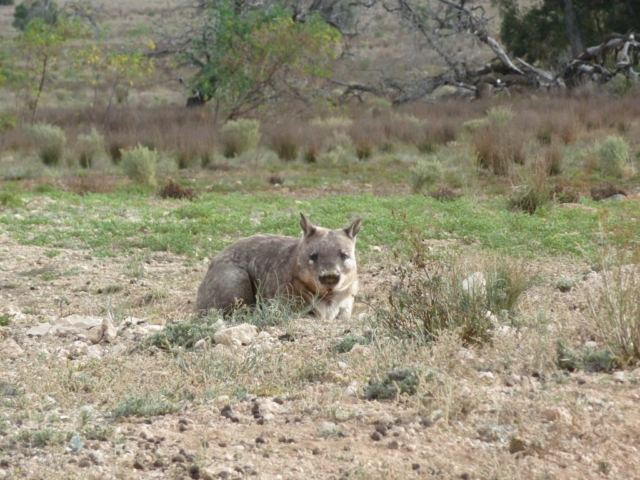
(375,436)
(178,459)
(394,445)
(85,462)
(415,466)
(137,464)
(261,440)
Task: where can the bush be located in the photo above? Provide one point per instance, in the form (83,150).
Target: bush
(430,296)
(49,141)
(286,144)
(139,164)
(89,145)
(500,116)
(615,311)
(612,156)
(8,121)
(497,148)
(425,174)
(534,191)
(240,136)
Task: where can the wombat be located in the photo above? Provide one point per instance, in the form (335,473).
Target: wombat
(320,269)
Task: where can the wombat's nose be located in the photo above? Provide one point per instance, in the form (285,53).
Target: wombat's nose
(329,279)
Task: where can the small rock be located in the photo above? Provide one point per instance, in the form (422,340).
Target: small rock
(178,459)
(376,437)
(94,334)
(137,464)
(620,377)
(84,463)
(485,375)
(618,197)
(261,440)
(200,344)
(415,466)
(194,470)
(10,349)
(235,336)
(83,322)
(316,451)
(393,445)
(109,332)
(159,463)
(551,414)
(475,284)
(39,330)
(516,445)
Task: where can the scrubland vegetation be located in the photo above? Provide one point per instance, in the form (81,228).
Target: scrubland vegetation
(497,330)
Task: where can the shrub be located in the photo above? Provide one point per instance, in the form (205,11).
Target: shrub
(285,144)
(474,125)
(497,148)
(89,145)
(430,296)
(8,121)
(615,311)
(612,156)
(49,141)
(175,190)
(240,136)
(534,191)
(425,174)
(115,151)
(500,116)
(139,164)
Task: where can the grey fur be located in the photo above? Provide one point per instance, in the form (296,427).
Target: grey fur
(319,268)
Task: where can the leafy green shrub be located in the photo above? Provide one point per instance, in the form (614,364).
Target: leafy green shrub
(474,125)
(89,146)
(400,380)
(425,174)
(612,156)
(347,343)
(139,164)
(338,148)
(8,121)
(49,141)
(500,116)
(183,334)
(145,406)
(240,136)
(586,358)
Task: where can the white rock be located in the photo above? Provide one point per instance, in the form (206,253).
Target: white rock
(94,351)
(94,334)
(39,330)
(241,335)
(200,344)
(78,349)
(359,350)
(79,321)
(64,331)
(10,349)
(620,377)
(352,389)
(487,375)
(119,349)
(219,325)
(475,284)
(109,332)
(153,328)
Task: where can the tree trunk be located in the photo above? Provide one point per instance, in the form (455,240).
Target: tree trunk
(573,30)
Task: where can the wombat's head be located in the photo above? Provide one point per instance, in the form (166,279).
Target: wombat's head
(327,258)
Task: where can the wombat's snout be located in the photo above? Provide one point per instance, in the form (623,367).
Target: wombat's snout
(329,279)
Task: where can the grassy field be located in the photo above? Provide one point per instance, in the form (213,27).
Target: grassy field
(496,331)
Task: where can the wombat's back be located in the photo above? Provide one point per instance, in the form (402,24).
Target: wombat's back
(261,264)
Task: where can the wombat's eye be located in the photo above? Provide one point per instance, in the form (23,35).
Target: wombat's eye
(344,255)
(313,257)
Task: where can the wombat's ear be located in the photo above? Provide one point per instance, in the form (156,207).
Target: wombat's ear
(307,227)
(353,229)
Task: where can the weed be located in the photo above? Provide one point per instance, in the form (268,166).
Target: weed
(240,136)
(5,319)
(184,334)
(49,141)
(139,164)
(425,174)
(347,343)
(444,193)
(612,156)
(587,359)
(615,311)
(396,382)
(500,116)
(285,143)
(10,199)
(39,438)
(534,192)
(145,406)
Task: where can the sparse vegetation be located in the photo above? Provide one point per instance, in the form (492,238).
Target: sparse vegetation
(612,156)
(139,164)
(89,146)
(240,136)
(49,141)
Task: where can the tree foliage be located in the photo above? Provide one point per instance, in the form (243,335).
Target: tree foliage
(245,58)
(539,33)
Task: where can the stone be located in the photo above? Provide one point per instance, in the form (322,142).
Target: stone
(94,334)
(39,330)
(109,332)
(10,349)
(516,445)
(13,312)
(475,284)
(620,377)
(618,197)
(65,331)
(79,321)
(200,344)
(235,336)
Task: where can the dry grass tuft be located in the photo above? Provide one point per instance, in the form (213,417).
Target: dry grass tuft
(91,183)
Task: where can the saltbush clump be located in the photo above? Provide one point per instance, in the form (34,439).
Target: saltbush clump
(139,164)
(89,146)
(240,136)
(49,141)
(612,156)
(425,174)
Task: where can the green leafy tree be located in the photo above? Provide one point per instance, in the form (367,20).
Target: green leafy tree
(28,10)
(38,48)
(245,59)
(545,31)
